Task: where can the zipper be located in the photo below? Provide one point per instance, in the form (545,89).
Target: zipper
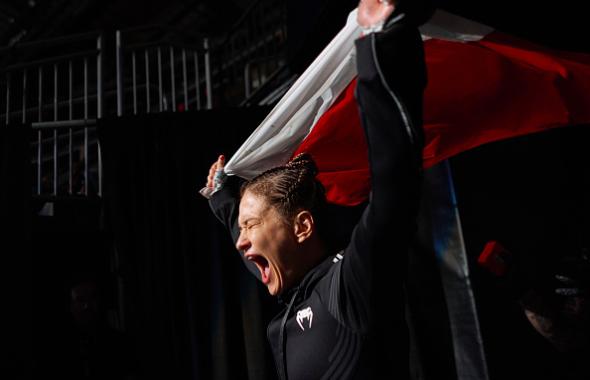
(281,359)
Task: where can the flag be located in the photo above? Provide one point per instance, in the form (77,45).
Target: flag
(483,86)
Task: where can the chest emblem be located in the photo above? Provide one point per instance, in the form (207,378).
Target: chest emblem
(304,314)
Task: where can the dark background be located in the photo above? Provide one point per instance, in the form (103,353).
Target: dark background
(184,288)
(532,194)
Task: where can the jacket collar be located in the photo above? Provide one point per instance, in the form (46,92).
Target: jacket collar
(306,285)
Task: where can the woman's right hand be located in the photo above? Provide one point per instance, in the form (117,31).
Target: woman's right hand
(217,165)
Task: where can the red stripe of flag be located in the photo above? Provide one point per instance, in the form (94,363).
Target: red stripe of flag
(478,92)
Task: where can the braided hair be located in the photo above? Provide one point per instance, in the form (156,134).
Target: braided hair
(291,188)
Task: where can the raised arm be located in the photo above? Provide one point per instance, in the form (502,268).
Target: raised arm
(391,81)
(225,204)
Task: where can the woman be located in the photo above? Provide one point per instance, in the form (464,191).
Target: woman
(343,315)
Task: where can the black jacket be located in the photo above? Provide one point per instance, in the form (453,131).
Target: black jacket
(345,320)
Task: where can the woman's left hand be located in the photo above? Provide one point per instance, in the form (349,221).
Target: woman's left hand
(374,12)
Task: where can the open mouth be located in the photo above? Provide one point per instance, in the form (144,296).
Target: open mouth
(262,265)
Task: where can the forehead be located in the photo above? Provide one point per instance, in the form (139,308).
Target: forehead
(252,206)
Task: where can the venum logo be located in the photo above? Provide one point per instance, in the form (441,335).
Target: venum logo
(304,314)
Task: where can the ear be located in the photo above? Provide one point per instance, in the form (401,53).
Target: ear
(303,226)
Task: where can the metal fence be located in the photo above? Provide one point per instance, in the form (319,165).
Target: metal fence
(65,83)
(61,95)
(252,53)
(161,76)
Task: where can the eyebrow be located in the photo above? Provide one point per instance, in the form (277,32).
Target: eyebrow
(245,222)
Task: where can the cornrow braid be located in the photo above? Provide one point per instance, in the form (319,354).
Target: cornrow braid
(290,188)
(306,168)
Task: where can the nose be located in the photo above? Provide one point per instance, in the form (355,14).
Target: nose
(243,242)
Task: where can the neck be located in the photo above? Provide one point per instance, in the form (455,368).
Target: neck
(315,253)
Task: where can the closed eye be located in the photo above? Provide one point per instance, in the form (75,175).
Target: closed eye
(249,224)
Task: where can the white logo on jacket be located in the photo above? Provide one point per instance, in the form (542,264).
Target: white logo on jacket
(303,315)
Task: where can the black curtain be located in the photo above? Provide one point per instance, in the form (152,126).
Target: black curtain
(15,252)
(532,194)
(191,308)
(431,343)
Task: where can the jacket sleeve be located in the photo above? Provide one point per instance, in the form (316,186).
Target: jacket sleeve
(391,81)
(225,206)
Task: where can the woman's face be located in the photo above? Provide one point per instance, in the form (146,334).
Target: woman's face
(268,241)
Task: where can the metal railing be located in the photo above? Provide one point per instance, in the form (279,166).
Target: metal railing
(60,89)
(60,95)
(251,53)
(161,76)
